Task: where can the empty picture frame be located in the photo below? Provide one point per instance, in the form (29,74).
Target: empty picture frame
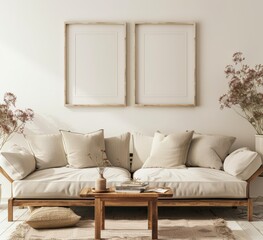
(95,64)
(165,64)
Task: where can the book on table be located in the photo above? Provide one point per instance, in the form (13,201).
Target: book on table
(131,187)
(134,184)
(129,190)
(157,190)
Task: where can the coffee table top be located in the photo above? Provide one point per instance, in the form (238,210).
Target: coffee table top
(88,192)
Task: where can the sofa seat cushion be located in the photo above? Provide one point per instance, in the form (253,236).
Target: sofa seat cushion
(194,182)
(64,182)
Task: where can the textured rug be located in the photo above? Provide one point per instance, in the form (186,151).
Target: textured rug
(131,230)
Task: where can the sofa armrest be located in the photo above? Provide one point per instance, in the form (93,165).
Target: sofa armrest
(256,174)
(3,172)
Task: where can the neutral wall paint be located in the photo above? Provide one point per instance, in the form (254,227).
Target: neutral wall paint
(32,64)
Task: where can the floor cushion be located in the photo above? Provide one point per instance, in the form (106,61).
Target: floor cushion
(52,217)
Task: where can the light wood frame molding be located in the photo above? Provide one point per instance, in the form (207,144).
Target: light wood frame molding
(80,39)
(3,172)
(178,34)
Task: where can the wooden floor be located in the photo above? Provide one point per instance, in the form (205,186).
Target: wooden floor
(236,218)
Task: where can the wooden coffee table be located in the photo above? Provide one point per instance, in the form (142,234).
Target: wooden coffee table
(120,198)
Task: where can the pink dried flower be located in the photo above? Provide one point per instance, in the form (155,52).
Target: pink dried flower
(245,91)
(10,98)
(12,120)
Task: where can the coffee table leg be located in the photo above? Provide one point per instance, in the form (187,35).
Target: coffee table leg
(149,215)
(154,219)
(97,218)
(102,215)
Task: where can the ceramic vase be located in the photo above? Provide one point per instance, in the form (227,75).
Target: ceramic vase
(259,144)
(100,184)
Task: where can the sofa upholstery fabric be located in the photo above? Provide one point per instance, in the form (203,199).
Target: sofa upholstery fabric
(84,150)
(169,151)
(47,149)
(118,150)
(242,163)
(64,182)
(194,182)
(209,150)
(141,145)
(18,162)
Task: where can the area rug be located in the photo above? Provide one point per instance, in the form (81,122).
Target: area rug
(131,230)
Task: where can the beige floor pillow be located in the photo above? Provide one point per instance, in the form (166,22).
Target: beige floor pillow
(52,217)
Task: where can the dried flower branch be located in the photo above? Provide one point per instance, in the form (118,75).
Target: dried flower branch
(245,94)
(102,162)
(12,120)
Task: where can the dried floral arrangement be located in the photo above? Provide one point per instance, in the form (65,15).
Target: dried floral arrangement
(12,120)
(101,162)
(245,94)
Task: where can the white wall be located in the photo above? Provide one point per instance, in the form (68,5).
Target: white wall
(32,63)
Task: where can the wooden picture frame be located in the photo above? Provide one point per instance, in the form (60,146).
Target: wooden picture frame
(95,64)
(165,59)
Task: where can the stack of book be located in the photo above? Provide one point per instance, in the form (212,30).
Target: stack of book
(131,187)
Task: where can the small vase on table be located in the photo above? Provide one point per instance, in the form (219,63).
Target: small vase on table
(100,184)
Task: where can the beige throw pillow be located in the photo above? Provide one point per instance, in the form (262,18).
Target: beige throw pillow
(84,150)
(141,145)
(47,149)
(209,150)
(117,150)
(242,163)
(169,151)
(18,162)
(52,217)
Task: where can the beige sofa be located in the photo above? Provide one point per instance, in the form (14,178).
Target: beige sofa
(192,186)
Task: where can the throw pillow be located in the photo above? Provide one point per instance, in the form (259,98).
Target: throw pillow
(47,149)
(242,163)
(169,151)
(141,145)
(84,150)
(52,217)
(118,150)
(18,162)
(209,150)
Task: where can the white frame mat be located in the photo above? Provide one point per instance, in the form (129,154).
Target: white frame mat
(95,64)
(165,71)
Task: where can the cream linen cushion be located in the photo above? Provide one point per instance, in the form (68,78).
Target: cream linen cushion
(18,162)
(117,150)
(84,150)
(242,163)
(209,150)
(141,145)
(47,149)
(169,151)
(52,217)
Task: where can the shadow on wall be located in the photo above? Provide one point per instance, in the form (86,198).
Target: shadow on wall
(40,125)
(45,124)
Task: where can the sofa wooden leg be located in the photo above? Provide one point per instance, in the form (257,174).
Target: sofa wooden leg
(249,209)
(10,209)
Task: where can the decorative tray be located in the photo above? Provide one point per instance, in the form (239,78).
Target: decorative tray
(100,191)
